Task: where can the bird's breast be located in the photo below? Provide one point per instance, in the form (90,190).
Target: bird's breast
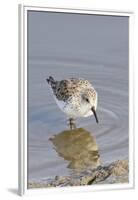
(73,108)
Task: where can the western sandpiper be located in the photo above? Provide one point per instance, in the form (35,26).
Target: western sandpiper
(75,97)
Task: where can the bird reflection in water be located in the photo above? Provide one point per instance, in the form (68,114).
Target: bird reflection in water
(79,147)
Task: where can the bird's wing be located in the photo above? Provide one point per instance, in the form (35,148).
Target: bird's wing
(64,90)
(69,87)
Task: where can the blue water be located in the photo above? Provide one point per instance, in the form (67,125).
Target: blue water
(94,48)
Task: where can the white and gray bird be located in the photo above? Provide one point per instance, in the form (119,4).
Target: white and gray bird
(75,97)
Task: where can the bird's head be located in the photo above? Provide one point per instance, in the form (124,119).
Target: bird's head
(89,99)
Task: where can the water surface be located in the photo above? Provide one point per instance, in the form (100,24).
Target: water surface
(94,48)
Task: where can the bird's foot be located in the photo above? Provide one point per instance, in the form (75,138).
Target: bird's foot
(72,124)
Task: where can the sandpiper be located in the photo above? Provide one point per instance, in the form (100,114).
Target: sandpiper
(75,97)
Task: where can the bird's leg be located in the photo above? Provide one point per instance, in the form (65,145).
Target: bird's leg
(72,123)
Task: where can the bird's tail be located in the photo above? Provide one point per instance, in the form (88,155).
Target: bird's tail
(51,82)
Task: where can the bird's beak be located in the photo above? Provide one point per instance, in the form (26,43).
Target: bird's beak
(95,115)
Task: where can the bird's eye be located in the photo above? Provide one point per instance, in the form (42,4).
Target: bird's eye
(87,100)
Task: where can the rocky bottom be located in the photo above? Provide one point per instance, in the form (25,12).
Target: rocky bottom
(116,172)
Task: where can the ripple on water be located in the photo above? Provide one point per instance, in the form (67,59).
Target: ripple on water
(46,119)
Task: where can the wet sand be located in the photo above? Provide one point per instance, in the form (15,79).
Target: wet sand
(114,173)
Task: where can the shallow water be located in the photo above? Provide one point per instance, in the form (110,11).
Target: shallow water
(104,63)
